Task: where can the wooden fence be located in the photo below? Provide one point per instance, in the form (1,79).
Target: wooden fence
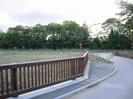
(20,78)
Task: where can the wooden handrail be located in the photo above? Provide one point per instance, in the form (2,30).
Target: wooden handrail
(20,78)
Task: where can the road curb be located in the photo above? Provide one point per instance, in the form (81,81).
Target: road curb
(89,85)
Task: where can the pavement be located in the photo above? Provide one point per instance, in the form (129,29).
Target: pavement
(119,86)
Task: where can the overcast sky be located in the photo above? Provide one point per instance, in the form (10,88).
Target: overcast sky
(31,12)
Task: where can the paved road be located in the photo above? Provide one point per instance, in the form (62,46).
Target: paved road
(119,86)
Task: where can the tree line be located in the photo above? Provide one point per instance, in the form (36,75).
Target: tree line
(69,34)
(66,35)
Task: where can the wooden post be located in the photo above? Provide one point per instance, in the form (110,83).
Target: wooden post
(14,79)
(73,68)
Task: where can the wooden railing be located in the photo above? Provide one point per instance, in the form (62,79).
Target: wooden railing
(20,78)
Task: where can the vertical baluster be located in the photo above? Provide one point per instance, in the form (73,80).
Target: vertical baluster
(39,82)
(63,69)
(42,74)
(67,69)
(2,82)
(79,66)
(13,79)
(35,75)
(73,67)
(28,78)
(32,77)
(82,65)
(57,70)
(45,73)
(48,71)
(20,77)
(54,71)
(60,72)
(51,72)
(24,77)
(80,60)
(70,70)
(7,82)
(76,67)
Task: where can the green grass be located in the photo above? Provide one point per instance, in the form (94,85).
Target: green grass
(16,56)
(95,58)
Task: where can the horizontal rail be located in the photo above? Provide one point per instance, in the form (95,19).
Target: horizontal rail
(20,78)
(34,62)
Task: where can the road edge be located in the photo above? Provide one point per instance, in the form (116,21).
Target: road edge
(89,85)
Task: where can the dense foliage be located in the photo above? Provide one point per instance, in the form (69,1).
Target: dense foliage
(126,16)
(55,36)
(69,34)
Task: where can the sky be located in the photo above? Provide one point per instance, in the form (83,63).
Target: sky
(31,12)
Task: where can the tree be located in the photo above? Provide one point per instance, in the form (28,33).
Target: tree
(126,15)
(112,23)
(69,33)
(29,37)
(74,35)
(84,36)
(66,35)
(96,44)
(118,41)
(22,32)
(104,42)
(53,30)
(2,36)
(39,35)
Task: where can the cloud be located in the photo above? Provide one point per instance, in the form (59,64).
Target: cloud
(30,12)
(36,17)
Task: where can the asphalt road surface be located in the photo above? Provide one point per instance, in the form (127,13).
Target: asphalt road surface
(119,86)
